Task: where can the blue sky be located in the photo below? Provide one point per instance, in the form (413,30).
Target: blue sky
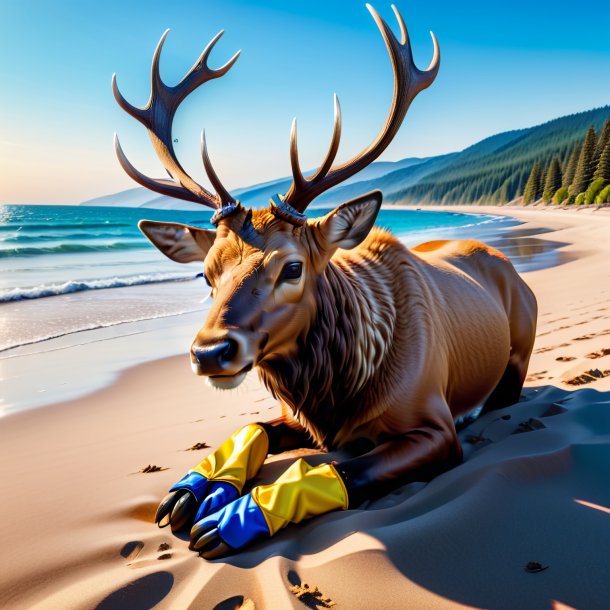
(504,66)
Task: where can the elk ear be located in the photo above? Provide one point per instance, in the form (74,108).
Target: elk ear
(346,226)
(181,243)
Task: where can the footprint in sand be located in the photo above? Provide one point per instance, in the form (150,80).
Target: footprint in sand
(311,596)
(530,425)
(557,320)
(554,330)
(565,358)
(132,550)
(554,409)
(536,376)
(593,335)
(198,447)
(237,602)
(550,348)
(587,377)
(151,468)
(600,354)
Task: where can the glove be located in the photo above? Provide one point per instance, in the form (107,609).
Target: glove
(216,481)
(303,491)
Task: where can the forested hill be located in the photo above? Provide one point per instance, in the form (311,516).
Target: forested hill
(497,174)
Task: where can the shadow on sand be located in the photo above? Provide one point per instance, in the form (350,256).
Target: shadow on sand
(533,488)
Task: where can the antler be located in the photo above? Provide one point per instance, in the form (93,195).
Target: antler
(157,116)
(408,82)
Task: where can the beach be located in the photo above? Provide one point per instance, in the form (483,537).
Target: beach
(78,514)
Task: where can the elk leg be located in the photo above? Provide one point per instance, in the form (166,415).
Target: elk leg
(508,390)
(285,434)
(418,455)
(306,491)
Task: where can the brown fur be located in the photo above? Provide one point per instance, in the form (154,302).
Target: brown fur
(376,342)
(393,326)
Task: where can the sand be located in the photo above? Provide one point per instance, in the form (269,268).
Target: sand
(77,513)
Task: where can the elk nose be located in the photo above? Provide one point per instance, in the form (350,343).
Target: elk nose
(212,358)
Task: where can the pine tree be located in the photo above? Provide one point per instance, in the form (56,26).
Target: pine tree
(604,138)
(570,169)
(553,180)
(540,188)
(603,165)
(532,186)
(585,167)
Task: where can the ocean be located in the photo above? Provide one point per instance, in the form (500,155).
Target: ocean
(50,250)
(73,277)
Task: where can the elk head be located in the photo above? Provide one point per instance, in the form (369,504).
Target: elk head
(263,266)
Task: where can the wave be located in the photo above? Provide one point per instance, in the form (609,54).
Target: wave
(22,237)
(50,290)
(70,249)
(26,226)
(406,233)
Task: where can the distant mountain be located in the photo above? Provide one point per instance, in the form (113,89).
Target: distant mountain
(492,170)
(140,197)
(257,195)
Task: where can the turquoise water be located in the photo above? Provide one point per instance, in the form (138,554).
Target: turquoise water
(69,269)
(53,250)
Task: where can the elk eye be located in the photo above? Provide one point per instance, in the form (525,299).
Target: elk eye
(292,271)
(205,277)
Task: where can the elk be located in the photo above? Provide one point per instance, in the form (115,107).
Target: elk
(364,342)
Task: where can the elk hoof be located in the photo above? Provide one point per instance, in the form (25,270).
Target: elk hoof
(209,544)
(183,513)
(177,509)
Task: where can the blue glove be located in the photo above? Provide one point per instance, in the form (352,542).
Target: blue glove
(216,481)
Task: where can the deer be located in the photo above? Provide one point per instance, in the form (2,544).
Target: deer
(366,344)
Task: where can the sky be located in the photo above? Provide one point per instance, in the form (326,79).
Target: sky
(505,65)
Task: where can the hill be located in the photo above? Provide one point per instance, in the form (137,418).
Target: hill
(498,174)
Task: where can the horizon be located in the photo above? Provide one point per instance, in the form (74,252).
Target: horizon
(58,145)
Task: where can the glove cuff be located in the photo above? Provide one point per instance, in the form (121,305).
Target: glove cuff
(303,491)
(238,459)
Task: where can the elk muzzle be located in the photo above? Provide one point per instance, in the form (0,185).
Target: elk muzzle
(225,361)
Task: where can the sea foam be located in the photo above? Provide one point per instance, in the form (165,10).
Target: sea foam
(48,290)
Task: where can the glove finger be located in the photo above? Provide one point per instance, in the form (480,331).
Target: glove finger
(194,482)
(165,508)
(183,513)
(220,495)
(237,525)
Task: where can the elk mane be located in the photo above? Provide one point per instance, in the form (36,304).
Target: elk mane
(327,380)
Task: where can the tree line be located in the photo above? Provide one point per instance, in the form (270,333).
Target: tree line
(582,176)
(497,169)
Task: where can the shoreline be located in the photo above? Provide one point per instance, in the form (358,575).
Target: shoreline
(82,360)
(78,527)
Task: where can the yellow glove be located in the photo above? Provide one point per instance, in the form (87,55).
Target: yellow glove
(238,459)
(303,491)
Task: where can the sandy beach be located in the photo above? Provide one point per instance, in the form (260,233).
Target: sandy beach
(77,516)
